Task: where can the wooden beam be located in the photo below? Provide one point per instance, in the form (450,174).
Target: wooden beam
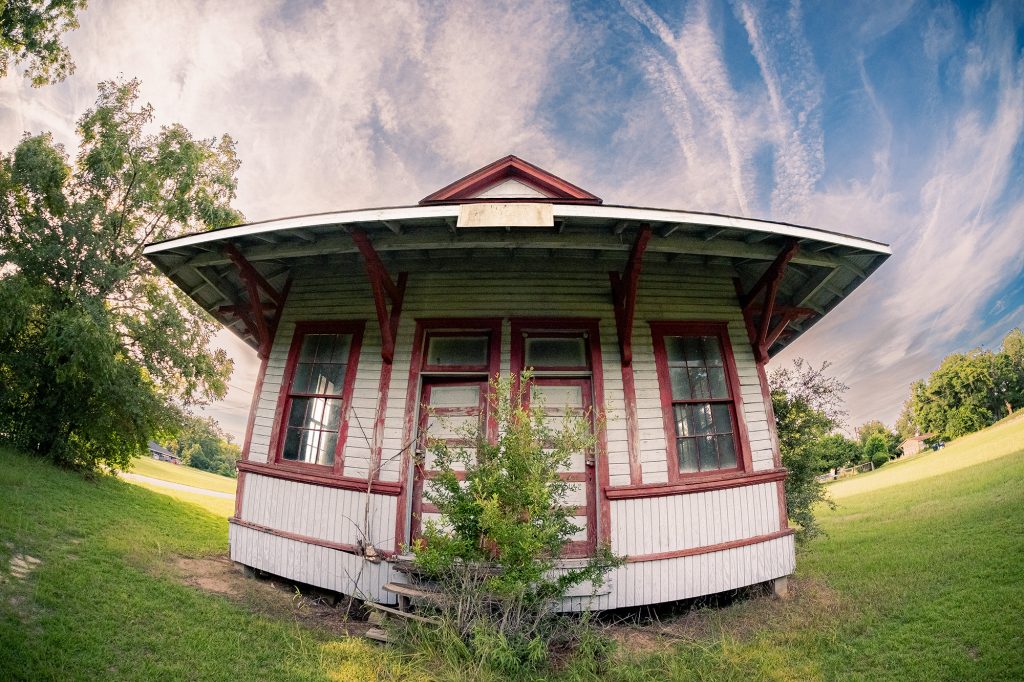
(384,290)
(250,274)
(774,272)
(624,293)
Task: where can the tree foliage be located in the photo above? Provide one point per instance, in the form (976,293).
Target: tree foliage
(98,352)
(30,34)
(890,438)
(808,405)
(836,450)
(971,390)
(876,449)
(202,444)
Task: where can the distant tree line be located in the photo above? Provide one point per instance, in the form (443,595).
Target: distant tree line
(202,444)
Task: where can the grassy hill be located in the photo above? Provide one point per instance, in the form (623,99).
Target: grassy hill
(186,475)
(919,579)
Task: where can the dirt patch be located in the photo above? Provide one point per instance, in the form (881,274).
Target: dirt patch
(271,596)
(22,565)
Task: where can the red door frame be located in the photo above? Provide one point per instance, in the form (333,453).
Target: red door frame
(579,549)
(591,326)
(420,473)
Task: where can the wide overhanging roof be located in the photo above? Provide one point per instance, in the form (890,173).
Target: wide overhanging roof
(213,267)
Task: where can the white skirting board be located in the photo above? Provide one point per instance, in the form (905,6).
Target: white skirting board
(634,584)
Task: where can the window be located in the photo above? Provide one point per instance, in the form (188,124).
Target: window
(317,390)
(700,397)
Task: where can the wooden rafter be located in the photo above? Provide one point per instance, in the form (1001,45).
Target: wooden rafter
(384,290)
(254,314)
(624,291)
(762,333)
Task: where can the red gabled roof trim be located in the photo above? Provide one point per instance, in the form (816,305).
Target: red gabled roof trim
(461,191)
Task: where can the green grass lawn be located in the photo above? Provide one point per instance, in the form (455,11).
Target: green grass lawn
(920,578)
(179,473)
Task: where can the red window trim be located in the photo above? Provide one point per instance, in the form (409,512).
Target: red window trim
(659,330)
(356,329)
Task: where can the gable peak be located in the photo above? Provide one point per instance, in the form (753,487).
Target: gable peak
(510,179)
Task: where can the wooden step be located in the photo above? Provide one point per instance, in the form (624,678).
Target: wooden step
(402,614)
(378,635)
(412,591)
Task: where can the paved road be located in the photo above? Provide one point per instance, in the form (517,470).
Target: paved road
(176,486)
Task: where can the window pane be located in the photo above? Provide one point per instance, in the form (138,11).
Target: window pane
(308,351)
(723,418)
(680,383)
(684,420)
(300,384)
(726,451)
(458,351)
(328,443)
(333,348)
(325,413)
(708,452)
(674,348)
(712,350)
(454,396)
(297,415)
(701,419)
(325,379)
(692,352)
(687,449)
(557,398)
(556,352)
(699,383)
(719,387)
(291,444)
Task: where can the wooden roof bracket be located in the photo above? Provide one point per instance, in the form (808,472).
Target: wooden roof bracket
(384,289)
(763,335)
(254,318)
(624,292)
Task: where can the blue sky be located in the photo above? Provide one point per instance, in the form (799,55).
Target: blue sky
(897,121)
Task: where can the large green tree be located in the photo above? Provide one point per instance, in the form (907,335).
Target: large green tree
(30,34)
(808,406)
(969,391)
(875,427)
(98,353)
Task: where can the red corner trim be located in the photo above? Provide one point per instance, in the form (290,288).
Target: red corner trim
(462,190)
(624,292)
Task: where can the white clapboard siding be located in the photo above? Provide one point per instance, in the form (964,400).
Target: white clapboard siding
(652,525)
(520,289)
(654,582)
(330,514)
(328,568)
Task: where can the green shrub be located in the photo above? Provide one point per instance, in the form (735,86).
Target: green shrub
(495,555)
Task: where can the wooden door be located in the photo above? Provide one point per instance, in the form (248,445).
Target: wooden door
(559,396)
(447,406)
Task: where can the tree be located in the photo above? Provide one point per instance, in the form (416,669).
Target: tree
(204,445)
(906,426)
(808,407)
(876,428)
(836,450)
(98,353)
(876,449)
(969,391)
(30,32)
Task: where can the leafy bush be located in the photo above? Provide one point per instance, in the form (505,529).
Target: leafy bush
(495,556)
(876,450)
